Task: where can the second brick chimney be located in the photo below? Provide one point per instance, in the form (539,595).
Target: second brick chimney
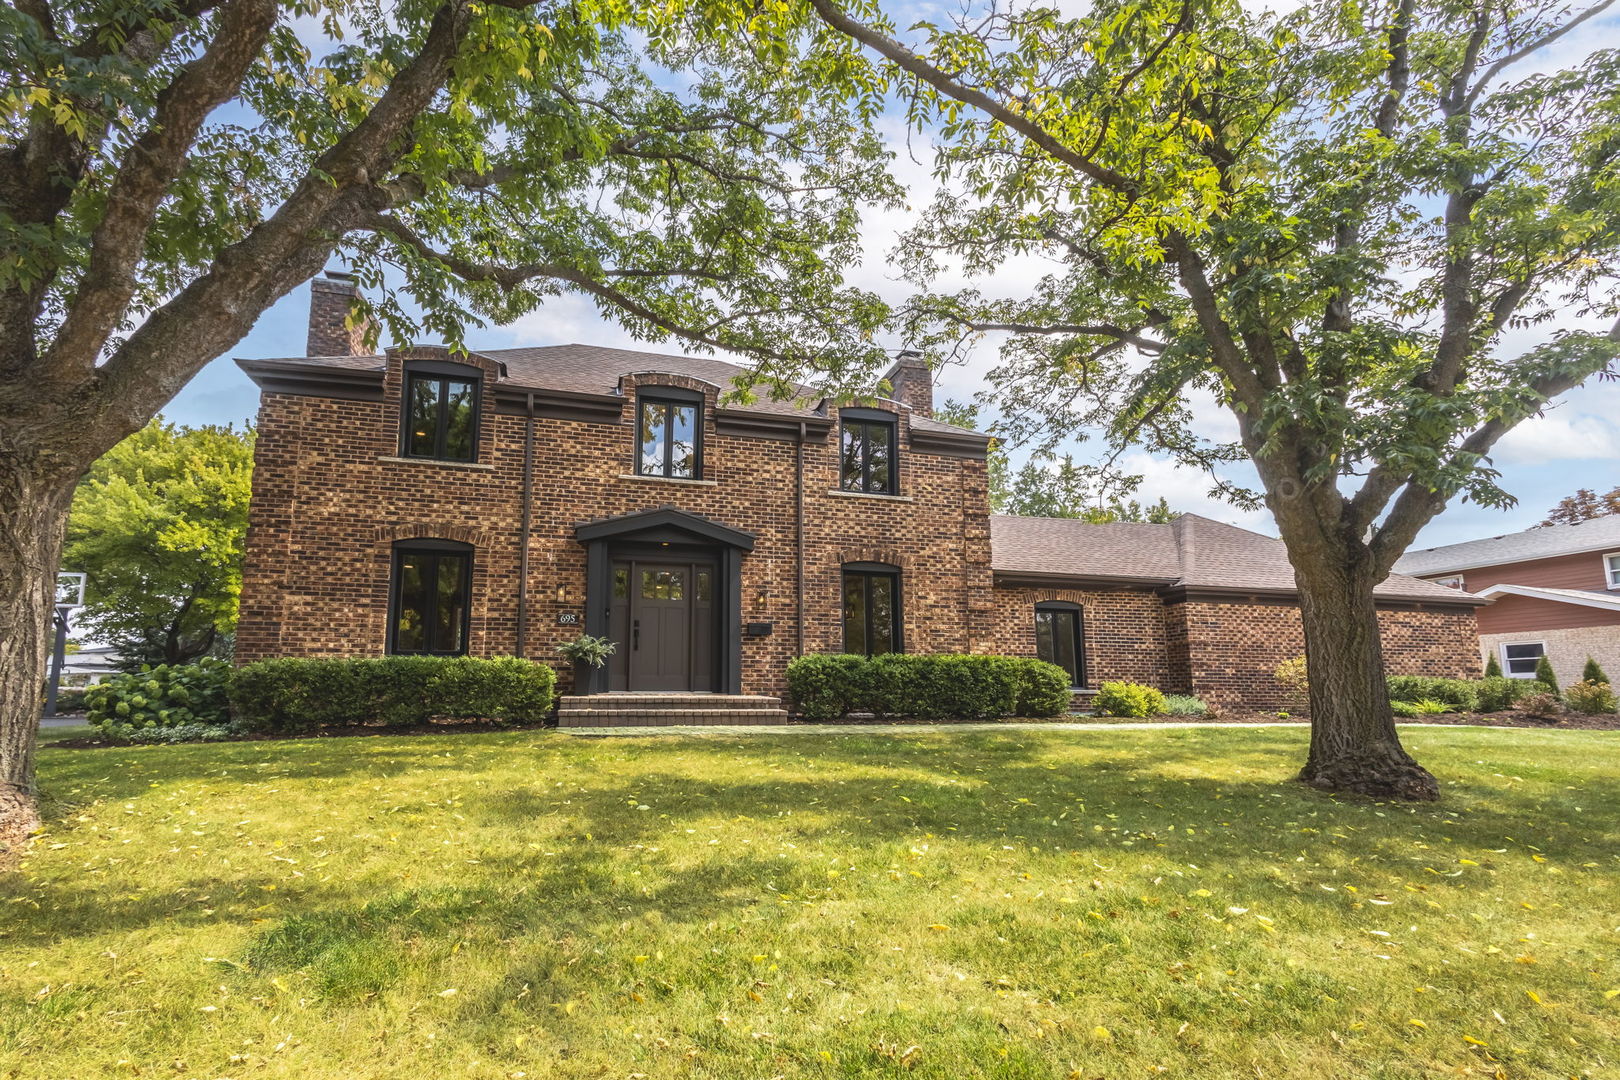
(330,299)
(913,382)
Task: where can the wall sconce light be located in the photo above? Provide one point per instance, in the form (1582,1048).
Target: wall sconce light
(562,594)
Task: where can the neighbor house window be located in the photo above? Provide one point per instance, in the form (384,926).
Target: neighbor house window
(432,584)
(1455,581)
(868,460)
(871,609)
(1519,661)
(441,412)
(670,431)
(1059,638)
(1611,569)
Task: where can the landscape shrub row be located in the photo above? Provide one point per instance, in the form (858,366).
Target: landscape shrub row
(208,699)
(827,686)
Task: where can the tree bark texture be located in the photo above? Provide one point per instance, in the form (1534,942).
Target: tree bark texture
(1354,746)
(33,521)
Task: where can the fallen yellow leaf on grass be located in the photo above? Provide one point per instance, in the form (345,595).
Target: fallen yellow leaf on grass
(1419,1024)
(1533,996)
(938,926)
(1101,1033)
(1474,1042)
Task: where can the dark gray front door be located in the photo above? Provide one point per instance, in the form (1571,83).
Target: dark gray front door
(664,617)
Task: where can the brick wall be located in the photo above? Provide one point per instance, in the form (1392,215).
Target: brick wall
(1232,648)
(1125,632)
(331,495)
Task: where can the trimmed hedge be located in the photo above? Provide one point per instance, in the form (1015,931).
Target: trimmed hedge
(392,691)
(1494,693)
(943,686)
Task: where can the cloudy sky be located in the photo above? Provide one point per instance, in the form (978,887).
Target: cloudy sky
(1575,444)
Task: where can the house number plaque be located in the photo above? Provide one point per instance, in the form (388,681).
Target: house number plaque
(568,618)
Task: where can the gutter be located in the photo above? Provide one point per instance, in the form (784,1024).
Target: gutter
(528,519)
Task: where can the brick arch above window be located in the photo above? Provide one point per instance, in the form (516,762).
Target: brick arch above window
(630,382)
(423,530)
(882,555)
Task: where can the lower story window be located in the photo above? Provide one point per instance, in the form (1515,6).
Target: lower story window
(432,584)
(871,609)
(1059,639)
(1519,661)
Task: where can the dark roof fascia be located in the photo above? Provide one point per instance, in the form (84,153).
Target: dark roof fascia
(1040,578)
(664,517)
(964,444)
(314,380)
(761,425)
(513,400)
(1177,594)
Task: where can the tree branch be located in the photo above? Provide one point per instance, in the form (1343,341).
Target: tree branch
(150,166)
(906,60)
(1540,43)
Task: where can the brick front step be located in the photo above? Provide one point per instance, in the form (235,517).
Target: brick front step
(667,710)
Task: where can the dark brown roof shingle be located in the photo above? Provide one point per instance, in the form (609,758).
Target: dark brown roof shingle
(1191,552)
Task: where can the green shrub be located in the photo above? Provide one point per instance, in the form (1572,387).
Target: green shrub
(1042,689)
(1493,667)
(825,686)
(930,687)
(1184,705)
(1588,696)
(1544,673)
(1128,700)
(1461,694)
(1496,693)
(165,736)
(1423,707)
(1593,672)
(391,691)
(70,699)
(1296,681)
(167,696)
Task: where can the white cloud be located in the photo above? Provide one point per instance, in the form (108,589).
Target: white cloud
(1559,436)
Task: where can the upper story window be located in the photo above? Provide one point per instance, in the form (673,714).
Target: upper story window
(868,460)
(1611,569)
(871,609)
(1455,581)
(430,597)
(669,428)
(441,411)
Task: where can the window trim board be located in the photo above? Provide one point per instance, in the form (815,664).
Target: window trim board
(1501,655)
(1611,573)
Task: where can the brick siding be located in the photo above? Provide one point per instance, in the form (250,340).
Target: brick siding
(330,497)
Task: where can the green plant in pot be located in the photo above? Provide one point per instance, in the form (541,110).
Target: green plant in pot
(586,652)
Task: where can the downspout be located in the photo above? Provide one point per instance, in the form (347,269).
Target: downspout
(799,521)
(523,542)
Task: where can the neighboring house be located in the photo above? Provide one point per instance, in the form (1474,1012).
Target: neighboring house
(503,501)
(1553,591)
(89,665)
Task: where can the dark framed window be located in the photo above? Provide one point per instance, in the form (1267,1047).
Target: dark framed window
(869,459)
(441,412)
(431,597)
(669,434)
(872,622)
(1060,638)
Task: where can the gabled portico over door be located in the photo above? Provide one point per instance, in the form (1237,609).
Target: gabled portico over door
(665,586)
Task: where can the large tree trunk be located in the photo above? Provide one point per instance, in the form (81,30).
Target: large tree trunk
(1354,747)
(33,519)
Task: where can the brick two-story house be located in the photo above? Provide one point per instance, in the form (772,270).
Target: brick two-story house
(502,501)
(1554,591)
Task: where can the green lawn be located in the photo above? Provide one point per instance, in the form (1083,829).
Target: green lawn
(933,904)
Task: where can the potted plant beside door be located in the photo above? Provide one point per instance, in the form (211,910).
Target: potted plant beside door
(586,652)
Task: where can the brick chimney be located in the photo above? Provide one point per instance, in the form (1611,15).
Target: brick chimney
(913,382)
(330,298)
